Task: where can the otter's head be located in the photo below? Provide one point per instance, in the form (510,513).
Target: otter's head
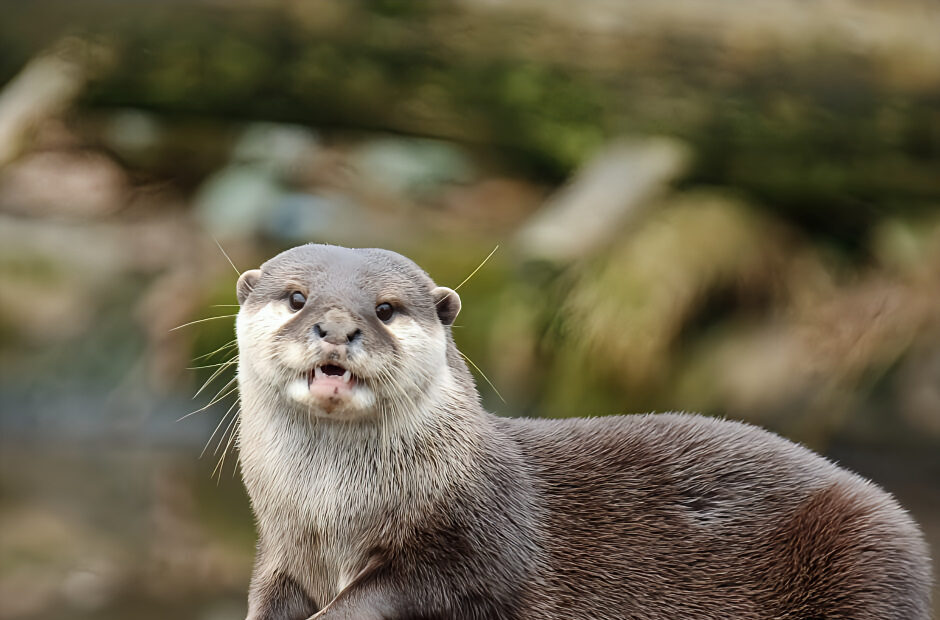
(342,334)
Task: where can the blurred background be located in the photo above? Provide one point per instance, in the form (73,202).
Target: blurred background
(701,205)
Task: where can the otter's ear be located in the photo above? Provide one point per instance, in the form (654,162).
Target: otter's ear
(447,304)
(246,282)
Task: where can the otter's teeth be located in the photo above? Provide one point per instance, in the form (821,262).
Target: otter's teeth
(347,376)
(318,373)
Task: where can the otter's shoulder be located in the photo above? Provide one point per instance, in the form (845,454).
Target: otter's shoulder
(689,453)
(668,433)
(675,449)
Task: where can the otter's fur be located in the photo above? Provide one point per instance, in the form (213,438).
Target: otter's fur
(402,498)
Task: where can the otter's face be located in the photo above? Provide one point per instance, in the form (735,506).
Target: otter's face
(342,334)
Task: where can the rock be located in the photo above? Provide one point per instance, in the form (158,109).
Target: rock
(132,134)
(609,191)
(330,217)
(277,147)
(492,204)
(412,167)
(71,183)
(45,87)
(237,201)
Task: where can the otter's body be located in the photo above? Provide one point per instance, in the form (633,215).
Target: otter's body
(383,490)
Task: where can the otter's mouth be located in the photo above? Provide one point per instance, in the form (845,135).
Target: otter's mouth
(330,380)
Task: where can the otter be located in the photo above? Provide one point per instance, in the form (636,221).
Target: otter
(383,490)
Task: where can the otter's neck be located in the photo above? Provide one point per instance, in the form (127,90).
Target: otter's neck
(403,458)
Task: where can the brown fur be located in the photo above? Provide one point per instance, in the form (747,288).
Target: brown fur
(471,516)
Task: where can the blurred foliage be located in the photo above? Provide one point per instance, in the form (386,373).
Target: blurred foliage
(815,128)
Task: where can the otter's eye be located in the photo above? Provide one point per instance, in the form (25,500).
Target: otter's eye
(296,301)
(385,312)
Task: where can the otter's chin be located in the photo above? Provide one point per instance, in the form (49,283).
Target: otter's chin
(332,398)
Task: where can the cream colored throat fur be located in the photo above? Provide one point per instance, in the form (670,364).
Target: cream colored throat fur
(325,491)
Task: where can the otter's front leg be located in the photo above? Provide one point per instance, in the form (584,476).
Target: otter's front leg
(369,596)
(366,601)
(273,595)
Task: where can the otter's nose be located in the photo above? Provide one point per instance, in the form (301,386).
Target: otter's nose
(337,333)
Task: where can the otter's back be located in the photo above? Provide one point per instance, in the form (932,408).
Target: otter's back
(673,515)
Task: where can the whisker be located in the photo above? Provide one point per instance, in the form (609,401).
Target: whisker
(231,343)
(213,401)
(210,318)
(227,429)
(473,273)
(230,362)
(218,371)
(238,430)
(237,272)
(218,426)
(221,463)
(232,381)
(401,400)
(482,374)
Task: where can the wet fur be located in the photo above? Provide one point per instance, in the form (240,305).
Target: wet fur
(433,508)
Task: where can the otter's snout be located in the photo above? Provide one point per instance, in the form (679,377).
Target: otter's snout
(337,332)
